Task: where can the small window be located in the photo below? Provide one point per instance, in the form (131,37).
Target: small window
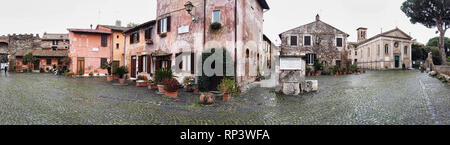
(55,42)
(104,40)
(216,16)
(148,34)
(307,40)
(294,41)
(134,38)
(406,50)
(164,25)
(117,36)
(310,59)
(49,61)
(339,42)
(103,61)
(356,53)
(117,45)
(386,49)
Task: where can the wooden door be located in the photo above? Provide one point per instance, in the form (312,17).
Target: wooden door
(80,66)
(397,61)
(133,66)
(36,64)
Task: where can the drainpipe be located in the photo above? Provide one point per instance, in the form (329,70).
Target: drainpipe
(125,50)
(235,42)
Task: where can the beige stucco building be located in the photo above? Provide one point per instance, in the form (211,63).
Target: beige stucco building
(388,50)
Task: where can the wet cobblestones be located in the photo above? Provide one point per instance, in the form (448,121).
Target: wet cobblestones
(388,97)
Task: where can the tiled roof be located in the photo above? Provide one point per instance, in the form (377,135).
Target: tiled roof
(88,31)
(42,53)
(49,36)
(116,28)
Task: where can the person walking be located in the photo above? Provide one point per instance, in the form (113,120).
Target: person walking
(6,70)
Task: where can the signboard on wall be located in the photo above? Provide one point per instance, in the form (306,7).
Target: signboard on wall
(183,29)
(291,63)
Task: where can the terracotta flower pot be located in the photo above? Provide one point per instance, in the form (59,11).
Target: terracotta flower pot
(226,97)
(345,73)
(122,81)
(196,90)
(171,94)
(141,84)
(161,89)
(109,78)
(116,77)
(207,98)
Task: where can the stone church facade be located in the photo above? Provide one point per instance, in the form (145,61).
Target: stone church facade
(318,41)
(388,50)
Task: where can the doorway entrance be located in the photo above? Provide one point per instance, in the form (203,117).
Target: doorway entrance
(133,67)
(36,64)
(397,61)
(80,66)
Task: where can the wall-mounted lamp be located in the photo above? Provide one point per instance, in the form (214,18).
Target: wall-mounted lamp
(189,6)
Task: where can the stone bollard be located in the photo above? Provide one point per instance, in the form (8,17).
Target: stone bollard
(314,85)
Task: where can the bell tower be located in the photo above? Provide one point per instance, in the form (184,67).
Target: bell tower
(362,34)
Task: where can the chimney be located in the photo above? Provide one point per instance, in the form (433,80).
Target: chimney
(91,26)
(362,34)
(317,17)
(119,23)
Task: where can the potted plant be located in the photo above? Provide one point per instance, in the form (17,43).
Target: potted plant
(171,87)
(108,67)
(141,81)
(160,75)
(308,71)
(259,76)
(121,72)
(152,85)
(318,67)
(344,69)
(70,74)
(91,74)
(227,87)
(188,83)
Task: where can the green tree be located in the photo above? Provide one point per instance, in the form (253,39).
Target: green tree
(132,25)
(431,13)
(418,52)
(29,59)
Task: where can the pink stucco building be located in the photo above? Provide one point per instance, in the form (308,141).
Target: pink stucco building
(89,49)
(177,34)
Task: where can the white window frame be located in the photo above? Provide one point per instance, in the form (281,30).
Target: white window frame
(163,25)
(311,40)
(311,59)
(215,16)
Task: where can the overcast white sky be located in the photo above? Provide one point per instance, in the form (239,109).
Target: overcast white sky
(54,16)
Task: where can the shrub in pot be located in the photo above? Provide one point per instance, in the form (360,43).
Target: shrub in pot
(171,87)
(141,81)
(188,83)
(121,72)
(152,85)
(160,75)
(227,87)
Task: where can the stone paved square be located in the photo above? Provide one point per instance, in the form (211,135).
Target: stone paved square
(374,98)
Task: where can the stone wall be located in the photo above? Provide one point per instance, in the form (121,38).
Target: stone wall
(442,69)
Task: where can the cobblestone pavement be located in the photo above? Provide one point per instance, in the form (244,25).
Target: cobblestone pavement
(388,97)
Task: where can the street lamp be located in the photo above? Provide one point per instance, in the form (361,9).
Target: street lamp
(189,6)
